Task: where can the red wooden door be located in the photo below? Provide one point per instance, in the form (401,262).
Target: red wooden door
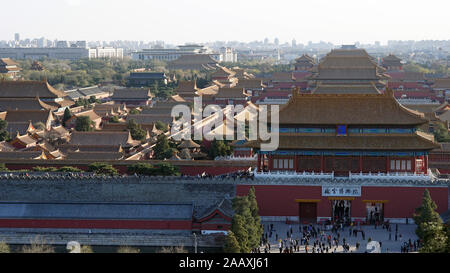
(307,212)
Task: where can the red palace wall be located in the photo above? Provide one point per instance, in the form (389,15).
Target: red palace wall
(401,201)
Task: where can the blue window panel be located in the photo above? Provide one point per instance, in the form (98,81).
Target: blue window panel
(354,130)
(284,130)
(343,153)
(400,131)
(308,130)
(329,130)
(374,130)
(342,130)
(374,153)
(402,154)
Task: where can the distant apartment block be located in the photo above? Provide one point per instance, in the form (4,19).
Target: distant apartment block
(228,55)
(62,53)
(106,52)
(259,55)
(172,54)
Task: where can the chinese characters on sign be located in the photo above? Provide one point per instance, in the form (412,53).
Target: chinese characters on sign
(341,190)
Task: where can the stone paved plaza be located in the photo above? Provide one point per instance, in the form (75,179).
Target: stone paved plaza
(379,234)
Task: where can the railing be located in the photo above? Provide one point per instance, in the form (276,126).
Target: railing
(397,175)
(237,158)
(292,174)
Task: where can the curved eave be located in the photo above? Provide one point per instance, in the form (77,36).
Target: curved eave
(396,143)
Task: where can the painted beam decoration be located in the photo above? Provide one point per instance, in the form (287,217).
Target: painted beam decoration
(352,191)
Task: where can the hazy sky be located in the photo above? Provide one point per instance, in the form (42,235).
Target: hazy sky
(180,21)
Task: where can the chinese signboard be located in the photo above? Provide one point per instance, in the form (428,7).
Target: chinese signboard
(341,191)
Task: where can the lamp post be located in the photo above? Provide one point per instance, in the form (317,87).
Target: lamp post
(195,243)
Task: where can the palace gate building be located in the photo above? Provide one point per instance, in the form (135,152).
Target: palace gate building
(347,151)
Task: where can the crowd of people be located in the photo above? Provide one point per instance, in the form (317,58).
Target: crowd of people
(322,239)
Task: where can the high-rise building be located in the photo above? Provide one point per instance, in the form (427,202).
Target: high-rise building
(62,44)
(17,37)
(42,42)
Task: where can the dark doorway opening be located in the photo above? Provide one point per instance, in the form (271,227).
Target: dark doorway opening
(341,211)
(375,213)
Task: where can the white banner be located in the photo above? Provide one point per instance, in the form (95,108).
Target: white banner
(341,191)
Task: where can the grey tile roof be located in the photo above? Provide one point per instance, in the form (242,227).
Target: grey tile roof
(125,211)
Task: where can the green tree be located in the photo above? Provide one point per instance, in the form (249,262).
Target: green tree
(246,224)
(162,148)
(127,249)
(69,169)
(84,124)
(219,148)
(434,238)
(4,248)
(162,169)
(134,111)
(177,249)
(447,232)
(3,168)
(86,249)
(66,117)
(231,244)
(38,245)
(114,119)
(44,169)
(238,227)
(426,213)
(82,102)
(441,133)
(4,135)
(161,126)
(141,168)
(166,169)
(254,210)
(137,133)
(102,168)
(93,99)
(39,125)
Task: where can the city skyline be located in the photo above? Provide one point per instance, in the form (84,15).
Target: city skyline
(199,21)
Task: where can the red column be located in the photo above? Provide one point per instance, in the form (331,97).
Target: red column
(322,164)
(387,164)
(360,164)
(296,163)
(413,165)
(426,164)
(259,162)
